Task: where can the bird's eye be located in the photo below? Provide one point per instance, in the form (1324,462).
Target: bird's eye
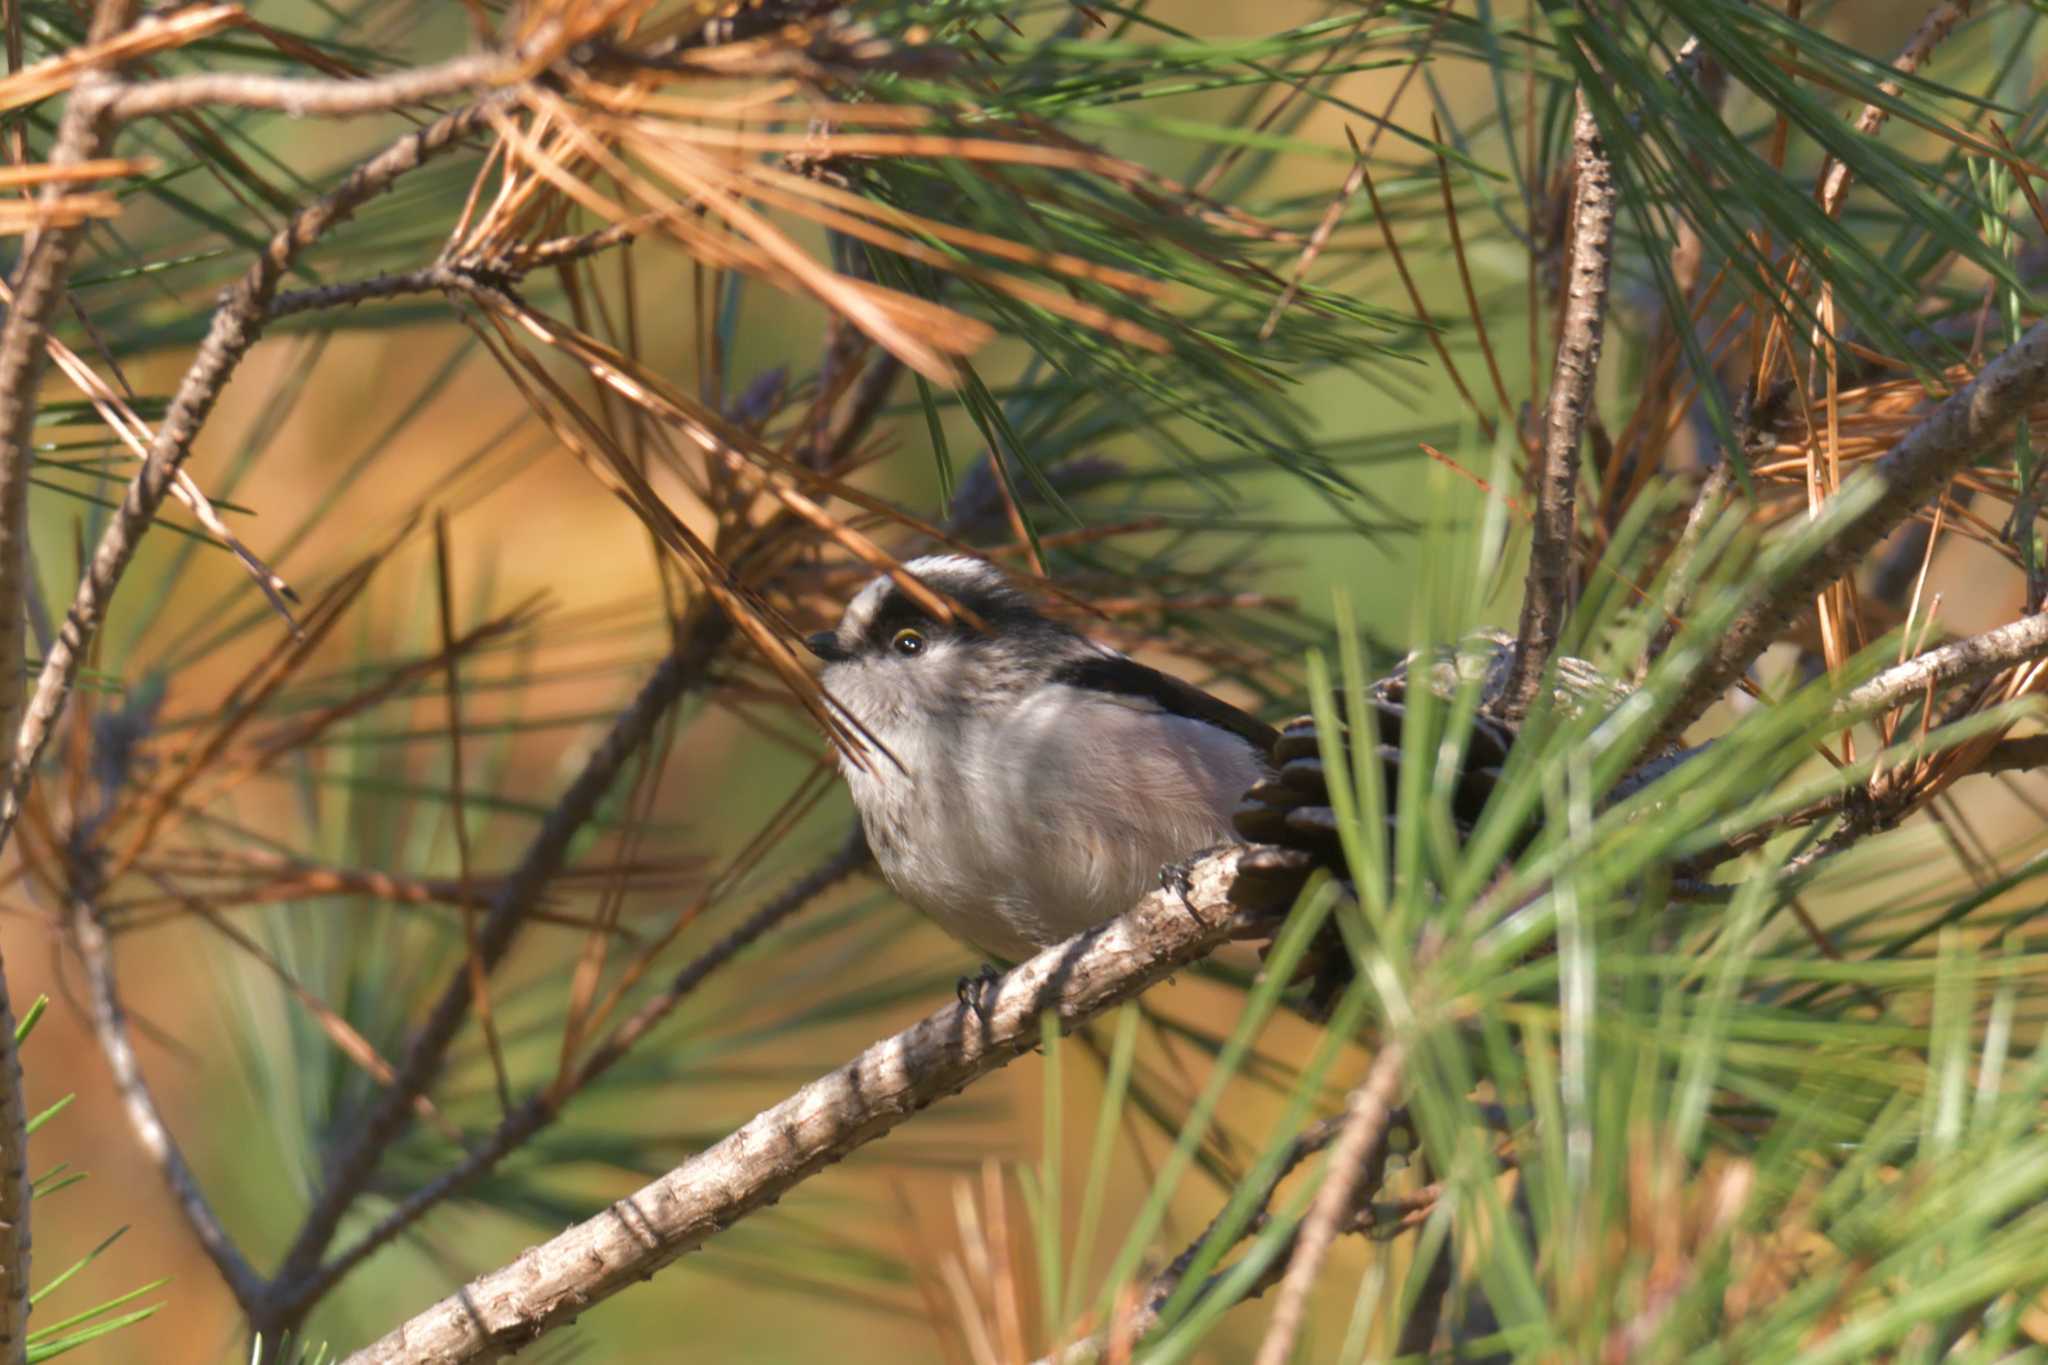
(908,642)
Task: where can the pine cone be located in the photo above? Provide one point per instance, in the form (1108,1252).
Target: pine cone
(1289,818)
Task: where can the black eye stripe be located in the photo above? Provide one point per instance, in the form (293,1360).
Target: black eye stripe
(897,613)
(1005,612)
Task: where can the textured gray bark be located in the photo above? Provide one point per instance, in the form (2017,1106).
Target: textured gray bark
(1546,596)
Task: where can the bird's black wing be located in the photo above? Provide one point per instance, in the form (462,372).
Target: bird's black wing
(1115,674)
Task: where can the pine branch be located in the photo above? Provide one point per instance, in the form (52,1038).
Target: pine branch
(110,1025)
(1910,476)
(303,97)
(82,136)
(449,276)
(1366,1125)
(549,1285)
(1971,660)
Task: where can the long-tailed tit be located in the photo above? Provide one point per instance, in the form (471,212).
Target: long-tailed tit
(1024,782)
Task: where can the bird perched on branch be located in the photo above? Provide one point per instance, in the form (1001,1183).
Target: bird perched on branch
(1022,782)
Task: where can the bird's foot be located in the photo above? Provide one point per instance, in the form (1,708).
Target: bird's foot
(969,990)
(1179,877)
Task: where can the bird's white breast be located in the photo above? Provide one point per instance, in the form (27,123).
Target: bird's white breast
(1018,829)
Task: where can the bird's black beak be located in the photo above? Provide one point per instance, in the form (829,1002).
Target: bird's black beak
(826,646)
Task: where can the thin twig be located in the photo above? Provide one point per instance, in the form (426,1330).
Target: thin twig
(458,815)
(1365,1127)
(452,276)
(542,1109)
(1706,505)
(549,1285)
(349,1171)
(1909,477)
(1935,27)
(1875,805)
(304,97)
(833,445)
(110,1024)
(1547,591)
(1970,660)
(237,323)
(426,280)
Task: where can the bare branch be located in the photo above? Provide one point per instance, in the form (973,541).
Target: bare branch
(1547,592)
(110,1024)
(1969,660)
(1880,802)
(458,276)
(426,280)
(237,323)
(550,1285)
(82,136)
(1365,1127)
(302,97)
(1910,476)
(349,1170)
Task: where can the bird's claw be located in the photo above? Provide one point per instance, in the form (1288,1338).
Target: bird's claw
(1179,877)
(969,990)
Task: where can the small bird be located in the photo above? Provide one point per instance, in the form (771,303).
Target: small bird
(1023,782)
